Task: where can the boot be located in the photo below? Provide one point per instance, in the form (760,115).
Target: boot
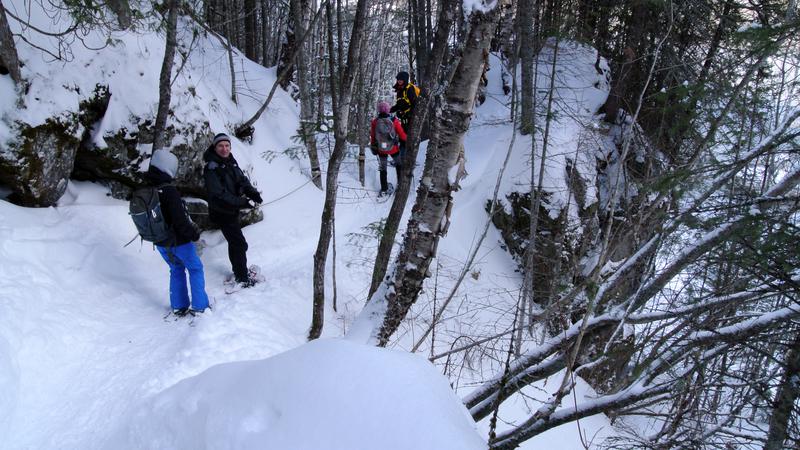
(384,182)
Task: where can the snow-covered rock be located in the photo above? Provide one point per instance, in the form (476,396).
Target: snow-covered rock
(89,115)
(37,165)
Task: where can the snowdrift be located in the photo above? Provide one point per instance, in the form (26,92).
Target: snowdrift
(329,394)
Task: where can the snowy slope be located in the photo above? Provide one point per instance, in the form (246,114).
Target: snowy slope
(82,335)
(578,93)
(484,306)
(129,66)
(83,343)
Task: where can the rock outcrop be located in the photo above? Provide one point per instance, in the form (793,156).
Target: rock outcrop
(568,240)
(37,166)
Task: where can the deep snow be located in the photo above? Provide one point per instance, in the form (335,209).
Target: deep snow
(84,349)
(329,394)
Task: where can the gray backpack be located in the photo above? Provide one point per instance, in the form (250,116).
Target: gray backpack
(385,135)
(145,210)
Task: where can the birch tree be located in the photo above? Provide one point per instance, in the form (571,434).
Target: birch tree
(447,15)
(430,215)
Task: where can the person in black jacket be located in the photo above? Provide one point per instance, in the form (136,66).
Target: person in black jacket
(229,191)
(406,94)
(178,251)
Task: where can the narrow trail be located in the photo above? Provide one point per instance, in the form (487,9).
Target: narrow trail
(83,338)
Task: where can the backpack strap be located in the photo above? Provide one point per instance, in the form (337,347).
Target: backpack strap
(406,98)
(129,242)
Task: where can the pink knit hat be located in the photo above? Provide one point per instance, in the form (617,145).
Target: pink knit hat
(383,107)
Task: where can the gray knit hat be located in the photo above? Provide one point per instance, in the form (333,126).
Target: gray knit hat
(219,138)
(165,161)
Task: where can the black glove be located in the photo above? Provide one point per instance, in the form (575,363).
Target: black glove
(374,149)
(247,204)
(255,196)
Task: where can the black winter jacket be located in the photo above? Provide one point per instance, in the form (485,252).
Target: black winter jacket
(227,186)
(173,209)
(406,97)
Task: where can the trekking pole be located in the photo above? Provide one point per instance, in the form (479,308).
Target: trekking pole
(129,242)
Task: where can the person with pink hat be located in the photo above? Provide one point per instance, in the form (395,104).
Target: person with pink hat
(385,137)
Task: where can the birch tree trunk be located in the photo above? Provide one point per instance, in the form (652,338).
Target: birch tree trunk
(165,79)
(341,93)
(8,51)
(431,213)
(447,15)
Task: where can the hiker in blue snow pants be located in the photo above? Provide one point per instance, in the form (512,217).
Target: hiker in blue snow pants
(180,259)
(178,251)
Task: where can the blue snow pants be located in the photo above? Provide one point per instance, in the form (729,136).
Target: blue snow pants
(180,259)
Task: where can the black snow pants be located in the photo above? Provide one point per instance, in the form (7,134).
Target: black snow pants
(237,245)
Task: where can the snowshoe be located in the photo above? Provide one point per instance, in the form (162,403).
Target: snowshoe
(385,194)
(175,315)
(239,285)
(254,272)
(253,277)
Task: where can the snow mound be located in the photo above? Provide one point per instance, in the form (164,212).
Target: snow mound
(328,394)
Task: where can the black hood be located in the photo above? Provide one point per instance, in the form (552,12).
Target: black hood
(211,155)
(156,176)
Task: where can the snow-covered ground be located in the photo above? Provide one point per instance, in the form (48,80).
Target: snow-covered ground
(87,359)
(327,394)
